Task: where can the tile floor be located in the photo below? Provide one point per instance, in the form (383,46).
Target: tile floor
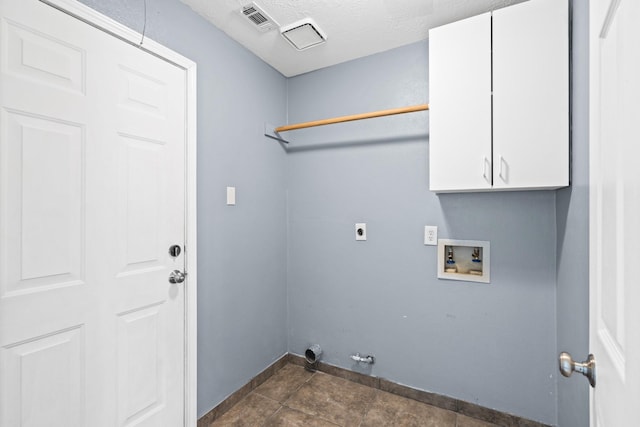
(295,397)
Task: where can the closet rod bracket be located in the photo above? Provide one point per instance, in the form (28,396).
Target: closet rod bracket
(270,131)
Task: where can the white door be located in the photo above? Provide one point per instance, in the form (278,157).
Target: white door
(92,184)
(615,211)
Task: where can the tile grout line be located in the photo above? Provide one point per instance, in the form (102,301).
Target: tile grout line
(366,411)
(272,415)
(303,412)
(298,389)
(319,416)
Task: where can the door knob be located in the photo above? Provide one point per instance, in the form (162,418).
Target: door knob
(586,368)
(177,276)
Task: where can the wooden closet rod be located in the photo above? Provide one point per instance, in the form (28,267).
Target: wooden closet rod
(382,113)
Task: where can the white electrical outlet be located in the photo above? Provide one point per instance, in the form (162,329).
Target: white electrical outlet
(361,231)
(430,235)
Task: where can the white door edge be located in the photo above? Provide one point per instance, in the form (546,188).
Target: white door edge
(594,131)
(594,57)
(98,20)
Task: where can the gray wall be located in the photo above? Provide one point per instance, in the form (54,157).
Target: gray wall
(490,344)
(241,249)
(293,254)
(573,236)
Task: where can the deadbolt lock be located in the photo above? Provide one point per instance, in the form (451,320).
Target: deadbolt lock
(174,250)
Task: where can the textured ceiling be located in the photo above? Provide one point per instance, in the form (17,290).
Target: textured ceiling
(354,28)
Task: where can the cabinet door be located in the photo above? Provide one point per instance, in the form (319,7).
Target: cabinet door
(460,105)
(531,95)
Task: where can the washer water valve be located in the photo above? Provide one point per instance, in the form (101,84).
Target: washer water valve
(363,359)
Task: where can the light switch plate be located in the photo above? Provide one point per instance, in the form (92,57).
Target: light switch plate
(430,235)
(361,231)
(231,196)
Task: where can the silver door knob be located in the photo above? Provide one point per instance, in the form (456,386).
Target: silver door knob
(586,368)
(177,276)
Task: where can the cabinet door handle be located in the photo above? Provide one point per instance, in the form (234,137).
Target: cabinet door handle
(486,168)
(503,169)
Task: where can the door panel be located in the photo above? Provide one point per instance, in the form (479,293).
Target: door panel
(141,92)
(141,373)
(44,370)
(149,123)
(45,163)
(92,184)
(142,203)
(614,211)
(44,58)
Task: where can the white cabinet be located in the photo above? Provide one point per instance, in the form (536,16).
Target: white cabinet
(460,105)
(531,95)
(499,100)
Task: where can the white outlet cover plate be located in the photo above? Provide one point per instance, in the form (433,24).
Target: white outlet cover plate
(431,235)
(361,226)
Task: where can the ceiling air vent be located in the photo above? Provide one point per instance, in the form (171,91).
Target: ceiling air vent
(258,17)
(303,34)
